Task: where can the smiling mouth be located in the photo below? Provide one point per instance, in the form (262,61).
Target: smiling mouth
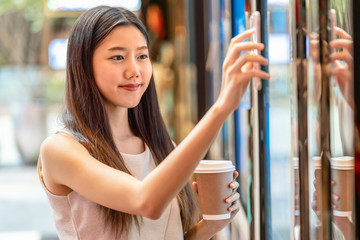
(130,87)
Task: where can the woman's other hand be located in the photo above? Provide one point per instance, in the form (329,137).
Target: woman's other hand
(214,226)
(315,204)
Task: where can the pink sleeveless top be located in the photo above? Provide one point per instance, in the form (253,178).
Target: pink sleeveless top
(79,218)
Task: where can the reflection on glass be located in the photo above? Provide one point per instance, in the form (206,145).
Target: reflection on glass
(341,102)
(341,117)
(314,94)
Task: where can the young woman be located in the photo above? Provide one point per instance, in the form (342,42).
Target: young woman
(113,172)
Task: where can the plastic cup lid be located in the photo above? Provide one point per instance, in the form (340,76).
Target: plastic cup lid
(317,162)
(214,166)
(344,162)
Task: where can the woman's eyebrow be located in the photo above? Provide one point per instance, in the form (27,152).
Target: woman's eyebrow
(118,48)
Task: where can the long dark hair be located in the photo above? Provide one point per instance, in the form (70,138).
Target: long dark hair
(85,115)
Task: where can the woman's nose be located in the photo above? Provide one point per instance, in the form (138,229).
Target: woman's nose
(131,69)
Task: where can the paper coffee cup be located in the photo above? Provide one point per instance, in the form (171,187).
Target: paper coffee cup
(317,171)
(342,172)
(213,178)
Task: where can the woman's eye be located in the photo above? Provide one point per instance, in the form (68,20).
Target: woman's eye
(144,56)
(118,57)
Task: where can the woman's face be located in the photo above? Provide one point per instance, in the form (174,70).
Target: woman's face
(122,67)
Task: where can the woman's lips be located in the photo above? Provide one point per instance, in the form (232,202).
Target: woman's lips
(130,87)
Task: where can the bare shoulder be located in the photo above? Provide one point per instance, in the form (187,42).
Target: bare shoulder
(58,145)
(60,155)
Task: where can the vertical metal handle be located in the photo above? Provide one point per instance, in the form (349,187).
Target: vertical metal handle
(302,91)
(326,209)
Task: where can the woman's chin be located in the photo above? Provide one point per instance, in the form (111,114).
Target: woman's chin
(132,104)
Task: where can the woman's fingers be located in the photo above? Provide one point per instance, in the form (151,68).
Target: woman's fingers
(238,69)
(234,185)
(342,33)
(315,195)
(341,74)
(314,203)
(335,197)
(242,36)
(235,207)
(240,62)
(314,206)
(233,198)
(235,174)
(255,74)
(344,56)
(247,66)
(237,46)
(235,51)
(343,43)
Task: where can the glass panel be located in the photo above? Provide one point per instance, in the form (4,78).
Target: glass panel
(314,89)
(241,115)
(213,65)
(341,117)
(280,107)
(339,46)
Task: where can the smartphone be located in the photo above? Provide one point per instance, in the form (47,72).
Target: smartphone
(332,19)
(255,23)
(332,37)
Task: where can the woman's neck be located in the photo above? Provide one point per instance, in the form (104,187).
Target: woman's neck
(118,119)
(125,140)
